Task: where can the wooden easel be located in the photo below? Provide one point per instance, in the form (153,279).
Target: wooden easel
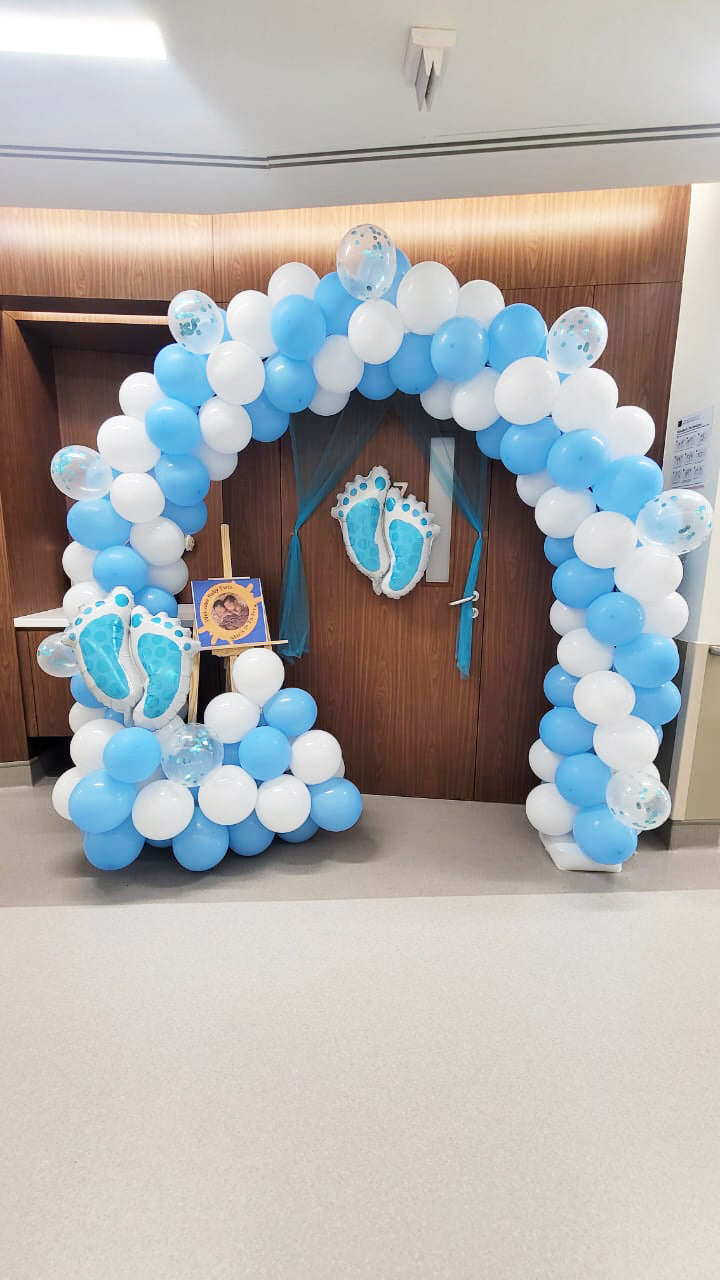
(227,654)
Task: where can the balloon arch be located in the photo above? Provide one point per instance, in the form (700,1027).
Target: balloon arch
(257,767)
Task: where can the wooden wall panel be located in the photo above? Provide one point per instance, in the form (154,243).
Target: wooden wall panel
(13,739)
(72,253)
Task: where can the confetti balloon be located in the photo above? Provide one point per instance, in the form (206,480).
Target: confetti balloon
(80,473)
(196,323)
(677,521)
(577,339)
(638,800)
(190,755)
(366,262)
(56,658)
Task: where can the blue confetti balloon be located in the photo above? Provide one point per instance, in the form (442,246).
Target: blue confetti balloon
(577,459)
(490,440)
(195,322)
(250,837)
(559,686)
(190,754)
(292,711)
(132,755)
(202,844)
(577,584)
(120,567)
(647,661)
(582,779)
(459,348)
(627,484)
(100,803)
(518,330)
(677,521)
(336,804)
(113,850)
(576,340)
(300,834)
(182,375)
(96,524)
(411,368)
(264,753)
(601,837)
(289,384)
(566,732)
(525,450)
(80,473)
(56,658)
(173,426)
(615,618)
(366,261)
(298,327)
(183,478)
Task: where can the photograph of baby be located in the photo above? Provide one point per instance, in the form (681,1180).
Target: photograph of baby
(229,612)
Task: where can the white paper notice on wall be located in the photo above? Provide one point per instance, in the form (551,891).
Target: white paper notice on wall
(692,445)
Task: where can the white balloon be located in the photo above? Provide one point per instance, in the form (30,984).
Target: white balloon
(248,321)
(80,595)
(160,541)
(137,497)
(543,761)
(327,403)
(63,789)
(229,716)
(235,372)
(586,399)
(526,391)
(375,331)
(629,431)
(137,393)
(292,277)
(78,562)
(336,367)
(603,697)
(563,618)
(427,296)
(548,811)
(283,804)
(219,465)
(580,653)
(162,810)
(88,744)
(480,299)
(627,744)
(315,756)
(604,539)
(473,401)
(559,512)
(649,575)
(227,795)
(340,771)
(667,617)
(436,400)
(258,673)
(171,577)
(125,445)
(531,488)
(80,715)
(225,427)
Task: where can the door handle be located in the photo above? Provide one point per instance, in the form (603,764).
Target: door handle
(466,600)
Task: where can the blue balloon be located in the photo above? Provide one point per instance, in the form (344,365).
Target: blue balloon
(647,661)
(659,705)
(250,837)
(157,600)
(132,755)
(172,426)
(336,304)
(577,459)
(614,618)
(459,349)
(558,550)
(657,729)
(559,687)
(183,478)
(518,330)
(96,524)
(268,423)
(100,803)
(190,519)
(402,266)
(292,711)
(264,753)
(81,693)
(159,844)
(566,732)
(298,327)
(602,837)
(336,804)
(582,779)
(411,368)
(524,450)
(289,384)
(120,567)
(376,383)
(490,440)
(627,484)
(300,834)
(182,375)
(577,584)
(230,752)
(113,850)
(202,844)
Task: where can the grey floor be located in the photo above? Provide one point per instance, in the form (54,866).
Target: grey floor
(415,1051)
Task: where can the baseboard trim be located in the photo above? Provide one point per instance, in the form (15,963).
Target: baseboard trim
(684,834)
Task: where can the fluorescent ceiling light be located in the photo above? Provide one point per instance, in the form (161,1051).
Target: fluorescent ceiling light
(81,37)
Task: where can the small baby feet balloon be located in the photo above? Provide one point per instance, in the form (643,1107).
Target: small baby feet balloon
(80,473)
(677,521)
(576,340)
(366,261)
(195,321)
(190,755)
(638,800)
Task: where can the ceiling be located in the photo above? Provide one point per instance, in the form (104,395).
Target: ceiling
(267,105)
